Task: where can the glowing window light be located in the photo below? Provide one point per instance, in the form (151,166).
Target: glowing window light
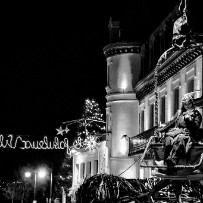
(123,145)
(141,173)
(150,173)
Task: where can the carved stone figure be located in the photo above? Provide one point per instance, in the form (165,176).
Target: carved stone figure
(179,139)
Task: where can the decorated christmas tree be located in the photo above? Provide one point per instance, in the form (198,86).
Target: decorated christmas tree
(90,127)
(92,121)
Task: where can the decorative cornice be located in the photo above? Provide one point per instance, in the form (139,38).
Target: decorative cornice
(121,97)
(121,48)
(167,70)
(178,64)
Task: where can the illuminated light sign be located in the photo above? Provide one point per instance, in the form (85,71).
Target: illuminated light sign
(89,143)
(78,143)
(11,142)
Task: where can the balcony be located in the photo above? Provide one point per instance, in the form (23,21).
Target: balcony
(138,142)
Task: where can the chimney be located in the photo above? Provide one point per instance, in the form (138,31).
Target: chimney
(114,31)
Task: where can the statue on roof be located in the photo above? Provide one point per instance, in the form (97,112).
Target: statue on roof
(182,34)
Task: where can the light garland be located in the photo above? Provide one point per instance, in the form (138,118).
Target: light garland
(83,121)
(92,115)
(60,130)
(11,142)
(89,143)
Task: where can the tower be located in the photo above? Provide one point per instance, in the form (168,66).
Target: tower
(122,115)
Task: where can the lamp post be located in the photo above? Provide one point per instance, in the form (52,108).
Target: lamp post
(50,194)
(41,174)
(35,185)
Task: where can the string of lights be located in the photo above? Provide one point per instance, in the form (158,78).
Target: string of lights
(91,140)
(84,121)
(89,126)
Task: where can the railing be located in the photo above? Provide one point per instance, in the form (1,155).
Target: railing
(138,143)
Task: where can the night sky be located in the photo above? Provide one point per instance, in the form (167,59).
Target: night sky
(52,60)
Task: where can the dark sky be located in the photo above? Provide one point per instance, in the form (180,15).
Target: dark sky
(52,60)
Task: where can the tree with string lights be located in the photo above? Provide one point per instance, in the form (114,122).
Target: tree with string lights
(92,120)
(63,179)
(89,125)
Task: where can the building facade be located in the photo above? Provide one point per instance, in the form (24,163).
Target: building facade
(88,163)
(130,106)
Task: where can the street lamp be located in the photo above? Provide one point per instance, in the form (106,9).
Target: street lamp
(41,173)
(35,186)
(50,187)
(27,174)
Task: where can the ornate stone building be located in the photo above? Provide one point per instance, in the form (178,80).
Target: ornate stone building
(130,106)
